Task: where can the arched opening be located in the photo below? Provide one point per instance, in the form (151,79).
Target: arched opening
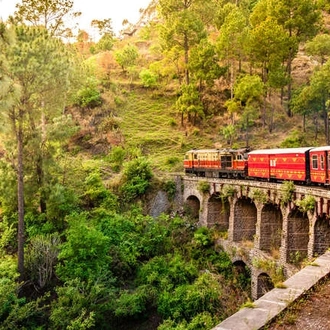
(242,274)
(298,236)
(270,228)
(321,235)
(192,207)
(245,219)
(218,210)
(264,284)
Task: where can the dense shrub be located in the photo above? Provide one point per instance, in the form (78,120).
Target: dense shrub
(89,96)
(137,177)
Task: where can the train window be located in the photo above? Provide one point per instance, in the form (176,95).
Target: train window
(322,162)
(314,162)
(239,157)
(226,161)
(195,156)
(328,161)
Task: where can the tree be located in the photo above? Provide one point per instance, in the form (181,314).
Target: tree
(47,13)
(106,32)
(127,56)
(204,64)
(268,47)
(232,35)
(248,90)
(319,47)
(189,103)
(37,68)
(182,27)
(300,19)
(314,98)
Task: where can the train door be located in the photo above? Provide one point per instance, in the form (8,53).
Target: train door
(272,166)
(226,161)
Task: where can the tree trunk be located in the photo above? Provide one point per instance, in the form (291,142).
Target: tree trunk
(20,196)
(186,58)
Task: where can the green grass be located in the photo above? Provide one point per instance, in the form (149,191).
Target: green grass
(153,125)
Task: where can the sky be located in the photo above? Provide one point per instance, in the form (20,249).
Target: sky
(117,10)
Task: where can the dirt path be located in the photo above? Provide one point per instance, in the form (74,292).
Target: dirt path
(309,313)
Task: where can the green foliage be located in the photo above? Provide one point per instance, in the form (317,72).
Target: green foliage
(61,202)
(203,237)
(227,191)
(81,305)
(287,190)
(127,56)
(189,102)
(259,195)
(203,63)
(170,188)
(307,204)
(105,43)
(8,268)
(136,178)
(89,96)
(203,320)
(84,254)
(203,187)
(133,303)
(96,194)
(148,78)
(229,132)
(190,299)
(295,139)
(116,158)
(18,313)
(7,236)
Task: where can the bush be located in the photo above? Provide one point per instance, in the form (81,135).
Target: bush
(148,78)
(137,177)
(89,96)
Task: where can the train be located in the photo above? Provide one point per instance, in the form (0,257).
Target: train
(303,165)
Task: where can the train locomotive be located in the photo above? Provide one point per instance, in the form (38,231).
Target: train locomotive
(305,165)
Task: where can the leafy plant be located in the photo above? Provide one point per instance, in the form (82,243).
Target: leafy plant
(136,178)
(170,188)
(287,190)
(306,204)
(203,187)
(227,191)
(148,78)
(259,195)
(89,96)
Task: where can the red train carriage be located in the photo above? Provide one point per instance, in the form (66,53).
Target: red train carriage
(320,165)
(280,164)
(221,163)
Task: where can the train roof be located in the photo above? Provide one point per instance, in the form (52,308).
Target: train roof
(243,150)
(279,151)
(324,148)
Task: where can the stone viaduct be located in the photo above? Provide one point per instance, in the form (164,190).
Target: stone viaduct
(264,227)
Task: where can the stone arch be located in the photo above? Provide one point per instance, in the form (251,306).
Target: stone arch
(245,219)
(298,236)
(192,207)
(264,284)
(321,235)
(270,227)
(243,274)
(218,210)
